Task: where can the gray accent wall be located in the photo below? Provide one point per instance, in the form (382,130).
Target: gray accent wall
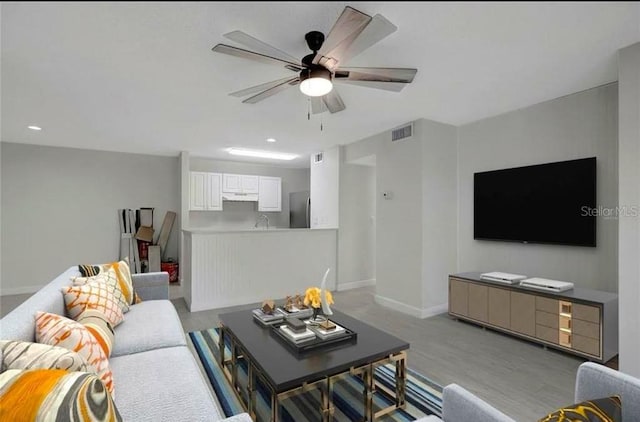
(629,196)
(580,125)
(59,207)
(243,215)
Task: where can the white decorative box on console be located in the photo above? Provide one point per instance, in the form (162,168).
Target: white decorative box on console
(546,284)
(228,268)
(500,277)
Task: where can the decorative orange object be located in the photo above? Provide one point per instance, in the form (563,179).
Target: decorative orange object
(312,297)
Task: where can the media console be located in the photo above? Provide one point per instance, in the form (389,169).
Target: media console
(579,321)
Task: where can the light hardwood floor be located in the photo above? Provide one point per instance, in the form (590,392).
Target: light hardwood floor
(521,379)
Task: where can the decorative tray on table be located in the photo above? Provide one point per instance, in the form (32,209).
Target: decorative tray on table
(314,337)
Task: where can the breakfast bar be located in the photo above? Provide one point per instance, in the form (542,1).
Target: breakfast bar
(236,267)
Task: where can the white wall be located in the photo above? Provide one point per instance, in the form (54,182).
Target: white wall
(399,220)
(243,215)
(356,236)
(576,126)
(415,228)
(59,207)
(325,190)
(629,195)
(439,212)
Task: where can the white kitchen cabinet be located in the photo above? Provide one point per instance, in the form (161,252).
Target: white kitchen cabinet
(239,183)
(214,192)
(197,191)
(249,184)
(205,191)
(269,194)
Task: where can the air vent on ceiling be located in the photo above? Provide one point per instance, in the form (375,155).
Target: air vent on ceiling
(317,158)
(402,133)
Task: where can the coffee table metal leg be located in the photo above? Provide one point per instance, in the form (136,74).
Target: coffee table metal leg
(326,400)
(275,407)
(234,366)
(251,390)
(369,384)
(221,345)
(401,381)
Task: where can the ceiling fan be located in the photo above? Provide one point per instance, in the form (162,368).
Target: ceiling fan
(316,73)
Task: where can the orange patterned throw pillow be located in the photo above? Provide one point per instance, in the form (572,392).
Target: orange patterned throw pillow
(102,330)
(98,296)
(54,395)
(123,274)
(110,278)
(59,331)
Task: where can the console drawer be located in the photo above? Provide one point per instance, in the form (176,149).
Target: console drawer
(547,334)
(547,319)
(586,313)
(586,329)
(586,345)
(547,305)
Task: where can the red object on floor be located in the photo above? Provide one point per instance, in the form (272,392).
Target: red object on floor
(143,249)
(172,269)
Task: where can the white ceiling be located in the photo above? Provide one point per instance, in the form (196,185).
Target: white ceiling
(141,77)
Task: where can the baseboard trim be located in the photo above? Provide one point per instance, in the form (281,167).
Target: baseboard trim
(434,310)
(356,284)
(409,309)
(19,290)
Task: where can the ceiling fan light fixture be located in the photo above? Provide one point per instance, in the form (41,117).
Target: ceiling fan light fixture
(315,82)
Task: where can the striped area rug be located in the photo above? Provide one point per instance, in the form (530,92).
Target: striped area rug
(424,397)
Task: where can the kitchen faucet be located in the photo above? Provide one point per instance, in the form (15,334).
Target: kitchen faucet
(265,219)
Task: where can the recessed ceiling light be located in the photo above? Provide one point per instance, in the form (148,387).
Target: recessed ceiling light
(261,154)
(271,140)
(34,127)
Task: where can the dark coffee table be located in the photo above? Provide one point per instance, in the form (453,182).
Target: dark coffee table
(287,373)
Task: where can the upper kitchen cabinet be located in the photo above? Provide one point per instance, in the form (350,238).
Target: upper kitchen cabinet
(205,193)
(239,183)
(269,194)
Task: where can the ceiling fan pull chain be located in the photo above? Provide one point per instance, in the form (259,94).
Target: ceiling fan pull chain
(308,108)
(321,122)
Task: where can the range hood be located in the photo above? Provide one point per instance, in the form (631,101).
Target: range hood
(244,197)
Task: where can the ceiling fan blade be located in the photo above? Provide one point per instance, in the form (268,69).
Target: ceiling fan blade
(246,54)
(385,86)
(260,46)
(259,88)
(378,29)
(375,74)
(333,101)
(317,105)
(344,32)
(272,91)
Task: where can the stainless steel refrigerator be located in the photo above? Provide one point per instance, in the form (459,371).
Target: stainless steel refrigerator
(299,210)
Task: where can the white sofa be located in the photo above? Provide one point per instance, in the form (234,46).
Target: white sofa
(155,375)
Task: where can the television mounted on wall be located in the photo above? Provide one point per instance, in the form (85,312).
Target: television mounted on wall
(548,203)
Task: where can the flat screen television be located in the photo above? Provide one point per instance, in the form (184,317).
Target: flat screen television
(546,203)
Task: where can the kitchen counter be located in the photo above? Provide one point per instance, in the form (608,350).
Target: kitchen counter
(237,267)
